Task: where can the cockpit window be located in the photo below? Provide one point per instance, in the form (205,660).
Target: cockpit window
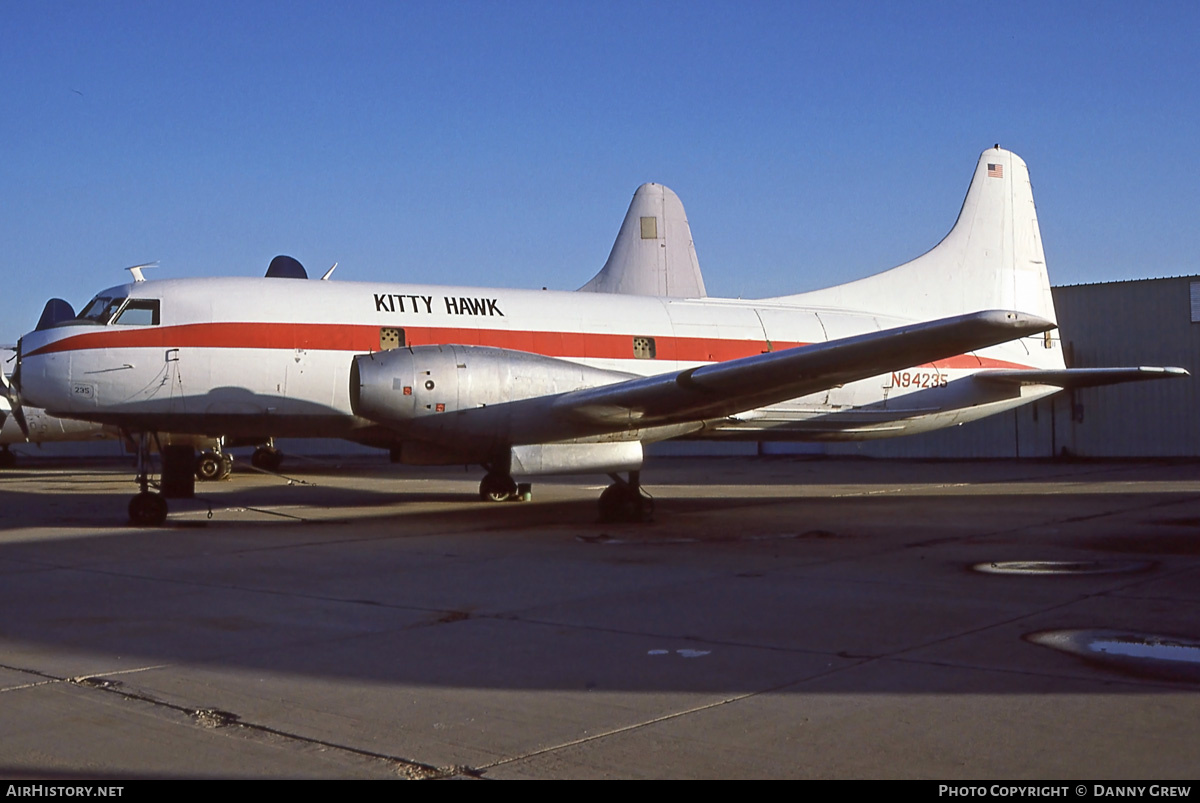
(139,312)
(103,310)
(100,310)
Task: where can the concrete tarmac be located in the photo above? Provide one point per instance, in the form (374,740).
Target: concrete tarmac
(779,618)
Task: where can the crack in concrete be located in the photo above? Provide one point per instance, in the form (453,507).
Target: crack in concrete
(213,718)
(627,728)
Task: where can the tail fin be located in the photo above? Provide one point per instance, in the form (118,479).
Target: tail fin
(991,259)
(653,254)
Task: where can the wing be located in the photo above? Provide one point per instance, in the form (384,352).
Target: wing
(1070,378)
(722,389)
(604,404)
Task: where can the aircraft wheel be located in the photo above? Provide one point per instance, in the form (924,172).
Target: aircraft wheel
(7,459)
(267,458)
(209,466)
(624,503)
(147,509)
(497,488)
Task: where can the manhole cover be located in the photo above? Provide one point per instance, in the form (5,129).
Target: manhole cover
(1173,657)
(1059,567)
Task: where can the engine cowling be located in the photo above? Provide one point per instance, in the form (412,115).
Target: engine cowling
(399,388)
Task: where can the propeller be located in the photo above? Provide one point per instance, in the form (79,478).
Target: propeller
(5,404)
(10,403)
(55,312)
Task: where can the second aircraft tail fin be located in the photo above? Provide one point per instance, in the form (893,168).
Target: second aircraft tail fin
(653,254)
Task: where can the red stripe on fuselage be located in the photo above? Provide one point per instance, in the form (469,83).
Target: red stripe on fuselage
(360,338)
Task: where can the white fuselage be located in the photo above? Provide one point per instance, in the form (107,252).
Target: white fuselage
(251,357)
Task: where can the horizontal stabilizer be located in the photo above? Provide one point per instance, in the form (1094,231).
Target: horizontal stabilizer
(727,388)
(1069,378)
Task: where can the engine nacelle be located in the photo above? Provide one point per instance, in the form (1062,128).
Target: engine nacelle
(400,387)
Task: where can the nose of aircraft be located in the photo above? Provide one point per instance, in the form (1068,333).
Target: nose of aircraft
(55,312)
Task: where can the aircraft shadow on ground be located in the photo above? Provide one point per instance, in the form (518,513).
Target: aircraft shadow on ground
(802,595)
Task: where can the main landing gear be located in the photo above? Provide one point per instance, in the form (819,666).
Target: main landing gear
(7,458)
(498,487)
(267,457)
(213,464)
(625,501)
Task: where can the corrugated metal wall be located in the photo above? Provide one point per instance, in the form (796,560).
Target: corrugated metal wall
(1145,322)
(1133,323)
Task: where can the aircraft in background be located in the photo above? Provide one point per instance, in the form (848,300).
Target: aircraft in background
(43,428)
(36,426)
(529,383)
(24,424)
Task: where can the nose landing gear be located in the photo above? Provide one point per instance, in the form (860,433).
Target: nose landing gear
(148,508)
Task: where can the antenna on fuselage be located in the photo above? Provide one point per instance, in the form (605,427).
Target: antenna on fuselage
(329,272)
(136,270)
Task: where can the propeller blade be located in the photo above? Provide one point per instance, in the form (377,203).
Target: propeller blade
(19,416)
(12,395)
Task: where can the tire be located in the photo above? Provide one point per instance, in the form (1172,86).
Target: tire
(267,458)
(497,488)
(209,466)
(147,510)
(621,503)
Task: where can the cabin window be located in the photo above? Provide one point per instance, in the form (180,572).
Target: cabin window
(391,339)
(643,348)
(139,312)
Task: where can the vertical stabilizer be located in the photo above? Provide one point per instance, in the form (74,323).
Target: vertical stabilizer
(991,259)
(653,254)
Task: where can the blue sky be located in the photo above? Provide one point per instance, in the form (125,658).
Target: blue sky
(499,143)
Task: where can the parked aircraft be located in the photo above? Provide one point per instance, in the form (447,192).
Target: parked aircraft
(213,463)
(528,383)
(32,425)
(43,428)
(633,267)
(24,424)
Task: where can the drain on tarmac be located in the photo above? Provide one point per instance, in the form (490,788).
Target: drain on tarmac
(1062,567)
(1147,654)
